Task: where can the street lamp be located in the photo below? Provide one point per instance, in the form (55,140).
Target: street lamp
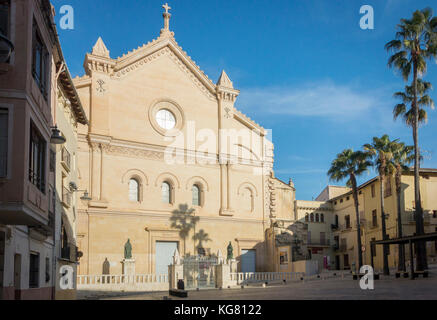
(85,195)
(56,137)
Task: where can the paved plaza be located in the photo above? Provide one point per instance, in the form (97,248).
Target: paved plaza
(329,289)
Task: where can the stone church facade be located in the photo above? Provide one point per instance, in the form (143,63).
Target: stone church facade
(170,162)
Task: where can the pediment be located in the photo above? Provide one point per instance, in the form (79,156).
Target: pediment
(157,48)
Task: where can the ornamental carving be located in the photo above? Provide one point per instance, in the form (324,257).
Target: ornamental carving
(134,152)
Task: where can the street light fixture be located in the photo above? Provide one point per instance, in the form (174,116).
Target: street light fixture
(56,137)
(85,195)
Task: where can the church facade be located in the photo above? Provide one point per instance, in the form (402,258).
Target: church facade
(171,163)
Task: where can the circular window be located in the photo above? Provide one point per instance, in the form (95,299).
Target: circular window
(165,119)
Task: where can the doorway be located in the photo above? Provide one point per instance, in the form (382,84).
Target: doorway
(248,260)
(164,251)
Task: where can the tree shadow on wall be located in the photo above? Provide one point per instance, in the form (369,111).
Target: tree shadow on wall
(183,219)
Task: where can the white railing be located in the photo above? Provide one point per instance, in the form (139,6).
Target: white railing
(254,277)
(112,282)
(251,277)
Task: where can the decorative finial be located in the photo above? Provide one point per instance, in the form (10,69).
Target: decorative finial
(166,15)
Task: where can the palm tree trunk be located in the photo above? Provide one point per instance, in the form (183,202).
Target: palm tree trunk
(421,262)
(386,270)
(401,250)
(357,213)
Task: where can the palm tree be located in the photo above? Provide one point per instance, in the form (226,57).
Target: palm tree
(416,41)
(402,156)
(407,97)
(349,165)
(381,151)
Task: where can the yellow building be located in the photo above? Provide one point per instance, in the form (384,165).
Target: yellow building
(344,226)
(170,163)
(318,216)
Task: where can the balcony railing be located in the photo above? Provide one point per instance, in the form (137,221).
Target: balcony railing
(66,159)
(372,224)
(409,217)
(345,226)
(66,197)
(320,243)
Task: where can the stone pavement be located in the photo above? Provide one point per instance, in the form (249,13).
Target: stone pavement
(329,289)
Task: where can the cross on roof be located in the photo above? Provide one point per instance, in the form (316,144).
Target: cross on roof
(166,7)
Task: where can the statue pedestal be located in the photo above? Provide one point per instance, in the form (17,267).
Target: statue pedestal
(128,267)
(222,276)
(233,265)
(175,273)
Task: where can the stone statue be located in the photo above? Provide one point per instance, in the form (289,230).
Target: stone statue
(128,250)
(230,251)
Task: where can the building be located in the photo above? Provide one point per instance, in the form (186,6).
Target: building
(319,218)
(67,114)
(170,163)
(32,81)
(27,225)
(344,226)
(331,192)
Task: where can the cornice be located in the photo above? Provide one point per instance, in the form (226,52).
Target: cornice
(164,214)
(245,120)
(157,152)
(83,81)
(167,47)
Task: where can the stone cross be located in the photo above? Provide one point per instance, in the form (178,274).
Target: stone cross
(166,7)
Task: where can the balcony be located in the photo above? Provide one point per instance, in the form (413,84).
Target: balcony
(65,159)
(66,197)
(320,243)
(334,227)
(372,225)
(345,227)
(409,218)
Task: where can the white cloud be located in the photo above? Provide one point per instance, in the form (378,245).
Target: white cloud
(324,99)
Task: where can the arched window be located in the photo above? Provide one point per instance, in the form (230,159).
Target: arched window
(312,217)
(322,217)
(165,192)
(134,190)
(317,217)
(307,218)
(247,199)
(195,190)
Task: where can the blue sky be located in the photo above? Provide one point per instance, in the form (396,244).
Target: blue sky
(305,68)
